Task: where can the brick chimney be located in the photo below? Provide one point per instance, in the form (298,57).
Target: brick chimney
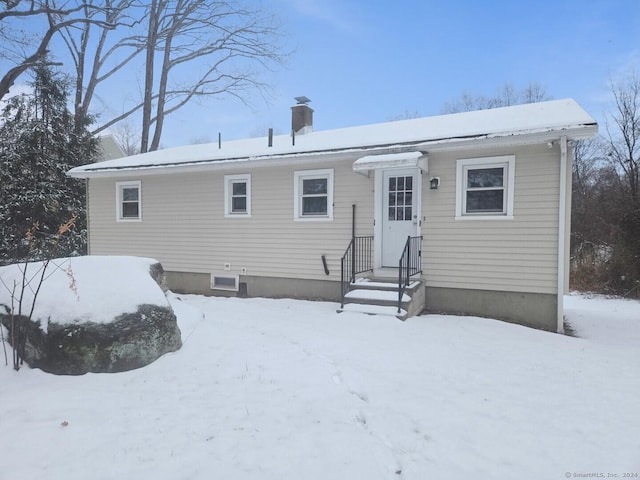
(301,117)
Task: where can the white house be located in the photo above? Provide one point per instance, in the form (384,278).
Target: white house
(479,202)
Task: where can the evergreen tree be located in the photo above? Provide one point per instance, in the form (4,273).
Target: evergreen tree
(39,142)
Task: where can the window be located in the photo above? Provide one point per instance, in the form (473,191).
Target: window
(484,188)
(222,282)
(237,195)
(128,201)
(313,195)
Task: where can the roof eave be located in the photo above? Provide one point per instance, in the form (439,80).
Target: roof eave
(574,132)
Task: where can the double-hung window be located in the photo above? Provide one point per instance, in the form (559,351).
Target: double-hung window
(237,195)
(485,188)
(129,201)
(313,195)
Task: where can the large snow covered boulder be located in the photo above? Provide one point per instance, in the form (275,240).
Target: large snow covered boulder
(92,314)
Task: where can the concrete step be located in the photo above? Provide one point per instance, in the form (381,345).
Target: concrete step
(374,310)
(382,284)
(375,297)
(379,296)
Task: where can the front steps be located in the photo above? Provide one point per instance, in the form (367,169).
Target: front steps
(379,296)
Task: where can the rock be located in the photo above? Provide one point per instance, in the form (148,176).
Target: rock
(131,341)
(77,346)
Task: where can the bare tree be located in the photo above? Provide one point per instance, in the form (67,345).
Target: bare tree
(606,202)
(406,115)
(95,62)
(623,135)
(585,164)
(189,49)
(589,178)
(24,290)
(623,151)
(127,137)
(534,92)
(505,96)
(53,18)
(200,139)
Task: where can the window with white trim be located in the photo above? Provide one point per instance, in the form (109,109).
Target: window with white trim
(129,201)
(313,195)
(224,282)
(237,195)
(485,188)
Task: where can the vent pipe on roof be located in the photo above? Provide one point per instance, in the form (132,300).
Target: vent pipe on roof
(301,117)
(219,140)
(271,137)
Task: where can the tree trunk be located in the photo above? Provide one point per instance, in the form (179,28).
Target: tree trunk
(152,40)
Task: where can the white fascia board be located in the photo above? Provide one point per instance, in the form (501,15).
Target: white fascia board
(582,132)
(212,165)
(456,144)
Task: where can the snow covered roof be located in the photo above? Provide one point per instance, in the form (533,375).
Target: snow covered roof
(535,122)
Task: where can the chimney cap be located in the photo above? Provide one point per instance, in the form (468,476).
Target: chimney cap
(302,100)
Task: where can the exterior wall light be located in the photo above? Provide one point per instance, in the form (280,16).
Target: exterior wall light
(434,183)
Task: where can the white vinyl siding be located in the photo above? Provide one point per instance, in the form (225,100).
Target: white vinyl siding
(192,234)
(517,256)
(186,230)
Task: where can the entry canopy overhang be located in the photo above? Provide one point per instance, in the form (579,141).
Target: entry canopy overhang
(391,160)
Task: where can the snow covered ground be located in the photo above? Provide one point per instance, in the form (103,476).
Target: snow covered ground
(283,389)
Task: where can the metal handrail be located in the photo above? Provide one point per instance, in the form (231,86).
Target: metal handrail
(358,258)
(410,264)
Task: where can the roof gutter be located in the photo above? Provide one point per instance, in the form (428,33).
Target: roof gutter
(211,165)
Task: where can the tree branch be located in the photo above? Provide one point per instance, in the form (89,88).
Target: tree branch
(12,75)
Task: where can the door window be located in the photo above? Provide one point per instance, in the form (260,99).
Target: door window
(400,198)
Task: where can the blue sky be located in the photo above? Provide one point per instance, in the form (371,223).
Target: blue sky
(364,61)
(367,61)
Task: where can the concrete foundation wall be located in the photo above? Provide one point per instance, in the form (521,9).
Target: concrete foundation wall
(200,283)
(416,307)
(532,309)
(536,310)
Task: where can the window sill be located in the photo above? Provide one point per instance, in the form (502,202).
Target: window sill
(128,220)
(484,217)
(313,219)
(237,215)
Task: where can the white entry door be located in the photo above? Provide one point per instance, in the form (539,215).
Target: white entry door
(400,212)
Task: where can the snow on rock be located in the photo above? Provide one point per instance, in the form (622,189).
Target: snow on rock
(96,314)
(77,289)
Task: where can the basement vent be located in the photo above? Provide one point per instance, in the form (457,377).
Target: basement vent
(221,282)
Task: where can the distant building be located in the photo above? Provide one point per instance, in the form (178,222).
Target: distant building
(109,148)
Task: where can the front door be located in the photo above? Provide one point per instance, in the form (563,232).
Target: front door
(400,197)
